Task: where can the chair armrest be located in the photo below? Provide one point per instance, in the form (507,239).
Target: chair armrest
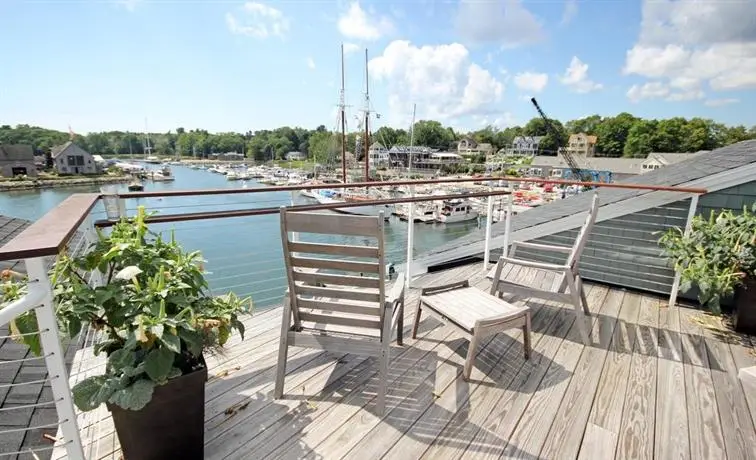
(544,247)
(531,264)
(444,287)
(396,292)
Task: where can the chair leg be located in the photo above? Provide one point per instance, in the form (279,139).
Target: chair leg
(583,297)
(418,311)
(470,357)
(383,380)
(580,316)
(400,324)
(283,351)
(526,336)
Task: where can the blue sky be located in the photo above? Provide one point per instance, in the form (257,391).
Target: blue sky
(238,66)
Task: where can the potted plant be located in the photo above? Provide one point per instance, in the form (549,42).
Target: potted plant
(156,319)
(718,256)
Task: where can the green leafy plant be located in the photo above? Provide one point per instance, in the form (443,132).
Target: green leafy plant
(717,255)
(23,328)
(153,311)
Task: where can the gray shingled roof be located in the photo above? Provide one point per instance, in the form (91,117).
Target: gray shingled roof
(58,149)
(678,174)
(16,152)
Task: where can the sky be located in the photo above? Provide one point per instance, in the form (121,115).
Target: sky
(221,65)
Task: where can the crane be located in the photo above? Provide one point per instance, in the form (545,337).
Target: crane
(579,173)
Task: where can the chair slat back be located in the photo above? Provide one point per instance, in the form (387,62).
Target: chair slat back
(336,266)
(585,231)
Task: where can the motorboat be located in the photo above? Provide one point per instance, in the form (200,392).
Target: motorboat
(456,210)
(135,186)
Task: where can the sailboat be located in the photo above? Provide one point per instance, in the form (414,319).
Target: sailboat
(329,196)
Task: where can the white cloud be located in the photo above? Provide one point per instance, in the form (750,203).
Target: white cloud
(660,90)
(651,90)
(441,79)
(498,21)
(531,81)
(569,12)
(350,48)
(357,23)
(258,20)
(688,44)
(310,63)
(576,77)
(720,102)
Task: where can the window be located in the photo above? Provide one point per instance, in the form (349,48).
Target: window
(71,160)
(79,160)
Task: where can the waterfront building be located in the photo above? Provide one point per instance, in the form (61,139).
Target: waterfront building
(69,158)
(17,160)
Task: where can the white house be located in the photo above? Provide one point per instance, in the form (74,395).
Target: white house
(294,156)
(660,160)
(525,145)
(378,155)
(69,158)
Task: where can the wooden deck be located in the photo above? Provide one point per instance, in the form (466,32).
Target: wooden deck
(657,383)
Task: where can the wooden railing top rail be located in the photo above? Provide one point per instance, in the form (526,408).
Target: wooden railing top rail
(448,180)
(49,235)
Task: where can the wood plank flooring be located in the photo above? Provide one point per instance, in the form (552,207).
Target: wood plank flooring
(654,384)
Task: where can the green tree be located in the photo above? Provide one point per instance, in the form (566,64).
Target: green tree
(552,140)
(612,133)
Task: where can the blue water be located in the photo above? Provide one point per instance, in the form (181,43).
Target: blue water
(243,253)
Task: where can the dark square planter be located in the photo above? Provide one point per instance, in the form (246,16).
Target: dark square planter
(744,319)
(171,425)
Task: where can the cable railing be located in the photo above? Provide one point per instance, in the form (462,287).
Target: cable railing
(237,231)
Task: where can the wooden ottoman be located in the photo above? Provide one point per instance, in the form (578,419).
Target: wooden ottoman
(476,314)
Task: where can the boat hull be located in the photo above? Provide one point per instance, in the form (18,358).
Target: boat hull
(458,218)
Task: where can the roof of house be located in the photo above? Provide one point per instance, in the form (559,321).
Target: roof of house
(588,138)
(16,152)
(527,139)
(615,165)
(58,149)
(680,174)
(672,158)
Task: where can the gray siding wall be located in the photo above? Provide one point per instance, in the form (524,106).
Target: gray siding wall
(625,251)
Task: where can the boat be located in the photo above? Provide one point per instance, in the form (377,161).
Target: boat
(135,186)
(456,210)
(232,175)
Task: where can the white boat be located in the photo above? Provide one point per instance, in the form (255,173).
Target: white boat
(152,160)
(232,175)
(327,196)
(456,210)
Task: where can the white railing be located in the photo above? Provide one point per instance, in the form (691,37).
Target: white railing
(39,299)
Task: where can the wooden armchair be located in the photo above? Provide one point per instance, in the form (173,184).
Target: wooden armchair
(336,304)
(568,287)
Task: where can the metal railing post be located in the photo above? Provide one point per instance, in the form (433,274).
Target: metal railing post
(489,222)
(90,236)
(676,283)
(507,225)
(410,237)
(55,360)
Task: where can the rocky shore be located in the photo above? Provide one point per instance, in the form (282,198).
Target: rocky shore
(60,182)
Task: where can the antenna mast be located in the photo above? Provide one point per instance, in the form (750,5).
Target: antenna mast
(367,120)
(147,148)
(342,106)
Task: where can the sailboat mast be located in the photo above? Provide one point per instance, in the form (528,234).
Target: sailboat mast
(366,144)
(147,148)
(342,105)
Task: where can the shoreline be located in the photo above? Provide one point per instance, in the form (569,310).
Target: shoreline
(6,186)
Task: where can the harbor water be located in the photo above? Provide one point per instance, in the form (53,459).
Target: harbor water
(243,254)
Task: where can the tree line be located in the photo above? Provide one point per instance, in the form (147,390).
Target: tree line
(618,136)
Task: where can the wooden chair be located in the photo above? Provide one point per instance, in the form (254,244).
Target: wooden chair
(568,285)
(335,304)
